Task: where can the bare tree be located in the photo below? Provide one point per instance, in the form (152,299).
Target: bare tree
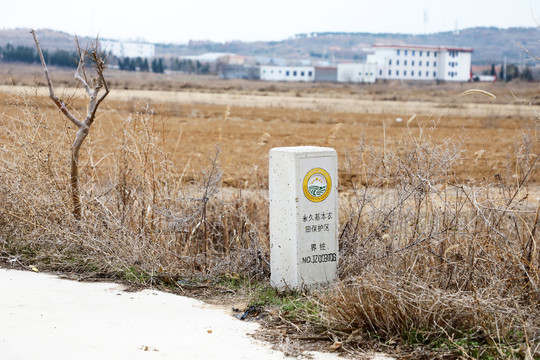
(93,54)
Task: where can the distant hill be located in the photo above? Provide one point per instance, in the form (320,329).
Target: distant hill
(490,44)
(48,39)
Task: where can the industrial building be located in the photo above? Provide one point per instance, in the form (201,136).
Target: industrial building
(326,74)
(287,73)
(386,62)
(234,71)
(129,49)
(415,62)
(357,72)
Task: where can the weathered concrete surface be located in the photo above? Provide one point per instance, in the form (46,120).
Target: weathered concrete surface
(45,317)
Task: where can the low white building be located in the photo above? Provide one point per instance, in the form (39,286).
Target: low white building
(358,72)
(287,73)
(415,62)
(213,57)
(129,49)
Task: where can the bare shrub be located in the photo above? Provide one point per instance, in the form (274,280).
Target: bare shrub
(142,217)
(425,257)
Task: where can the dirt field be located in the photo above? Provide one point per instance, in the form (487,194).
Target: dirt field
(245,119)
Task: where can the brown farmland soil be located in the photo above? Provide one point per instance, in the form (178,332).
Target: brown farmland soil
(247,118)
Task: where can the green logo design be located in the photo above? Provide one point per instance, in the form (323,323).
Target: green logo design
(317,184)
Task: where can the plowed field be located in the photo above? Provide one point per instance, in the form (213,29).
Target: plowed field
(246,119)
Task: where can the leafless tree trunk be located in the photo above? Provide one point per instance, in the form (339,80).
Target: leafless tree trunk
(99,83)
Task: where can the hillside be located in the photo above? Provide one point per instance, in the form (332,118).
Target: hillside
(49,39)
(491,45)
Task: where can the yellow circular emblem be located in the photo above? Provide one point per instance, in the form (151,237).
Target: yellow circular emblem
(317,185)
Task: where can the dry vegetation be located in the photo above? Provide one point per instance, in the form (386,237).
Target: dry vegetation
(439,212)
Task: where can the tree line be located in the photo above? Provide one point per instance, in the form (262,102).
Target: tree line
(10,53)
(140,64)
(512,72)
(158,65)
(24,54)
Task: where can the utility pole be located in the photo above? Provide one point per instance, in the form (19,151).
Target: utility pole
(504,69)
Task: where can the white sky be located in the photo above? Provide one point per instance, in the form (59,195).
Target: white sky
(177,21)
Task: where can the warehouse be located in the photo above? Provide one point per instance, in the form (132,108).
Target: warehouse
(287,73)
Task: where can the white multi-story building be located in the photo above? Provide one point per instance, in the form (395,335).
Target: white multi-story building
(415,62)
(129,48)
(287,73)
(359,72)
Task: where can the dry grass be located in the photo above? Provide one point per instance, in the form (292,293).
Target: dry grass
(200,126)
(139,213)
(438,236)
(432,261)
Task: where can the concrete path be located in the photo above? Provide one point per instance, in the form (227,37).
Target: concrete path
(45,317)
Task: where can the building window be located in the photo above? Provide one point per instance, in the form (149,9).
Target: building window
(412,72)
(280,71)
(389,72)
(302,73)
(390,62)
(427,63)
(404,72)
(413,52)
(427,54)
(412,63)
(397,62)
(294,73)
(427,74)
(264,71)
(434,63)
(420,74)
(398,51)
(271,71)
(380,72)
(405,62)
(287,73)
(434,74)
(420,63)
(420,53)
(406,52)
(434,54)
(310,73)
(397,72)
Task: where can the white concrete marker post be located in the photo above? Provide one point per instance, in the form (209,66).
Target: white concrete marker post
(303,216)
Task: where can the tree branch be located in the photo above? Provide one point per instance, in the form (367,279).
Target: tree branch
(84,127)
(78,74)
(101,83)
(59,102)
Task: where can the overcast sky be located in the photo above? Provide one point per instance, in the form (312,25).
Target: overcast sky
(177,21)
